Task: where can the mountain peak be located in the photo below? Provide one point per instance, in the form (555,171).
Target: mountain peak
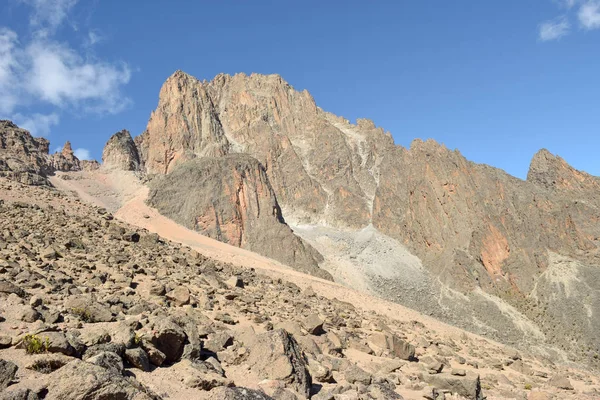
(551,171)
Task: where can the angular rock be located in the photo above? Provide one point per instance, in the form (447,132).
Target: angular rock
(313,324)
(169,338)
(108,360)
(82,380)
(276,355)
(138,358)
(468,386)
(7,373)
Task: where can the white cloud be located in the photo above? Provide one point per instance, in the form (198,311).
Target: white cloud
(37,124)
(93,38)
(589,14)
(554,29)
(61,77)
(82,154)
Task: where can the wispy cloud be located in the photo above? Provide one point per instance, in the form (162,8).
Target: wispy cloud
(587,12)
(93,38)
(8,64)
(554,29)
(82,154)
(48,15)
(37,124)
(42,71)
(589,15)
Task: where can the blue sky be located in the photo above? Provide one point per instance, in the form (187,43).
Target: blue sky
(496,79)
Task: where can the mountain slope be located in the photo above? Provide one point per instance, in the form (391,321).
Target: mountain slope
(486,240)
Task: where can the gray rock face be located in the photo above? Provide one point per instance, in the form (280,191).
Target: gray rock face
(231,199)
(467,386)
(121,153)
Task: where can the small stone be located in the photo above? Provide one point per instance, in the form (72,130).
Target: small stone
(138,358)
(35,301)
(313,324)
(180,295)
(235,281)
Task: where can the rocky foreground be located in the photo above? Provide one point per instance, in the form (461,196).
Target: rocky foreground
(91,308)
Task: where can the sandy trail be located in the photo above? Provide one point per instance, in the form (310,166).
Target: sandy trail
(122,193)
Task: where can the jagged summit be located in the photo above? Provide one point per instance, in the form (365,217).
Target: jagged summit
(551,171)
(120,152)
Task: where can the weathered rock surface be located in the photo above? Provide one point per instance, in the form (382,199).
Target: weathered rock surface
(120,152)
(7,373)
(231,199)
(82,380)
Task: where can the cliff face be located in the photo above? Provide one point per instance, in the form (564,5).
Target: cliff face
(230,199)
(476,228)
(266,118)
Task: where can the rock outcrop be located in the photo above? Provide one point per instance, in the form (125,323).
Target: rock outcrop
(25,159)
(121,153)
(22,157)
(231,199)
(64,160)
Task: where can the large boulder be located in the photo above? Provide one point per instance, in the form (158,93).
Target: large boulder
(168,337)
(82,380)
(276,355)
(468,386)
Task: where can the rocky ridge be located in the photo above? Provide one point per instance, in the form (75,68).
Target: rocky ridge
(94,308)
